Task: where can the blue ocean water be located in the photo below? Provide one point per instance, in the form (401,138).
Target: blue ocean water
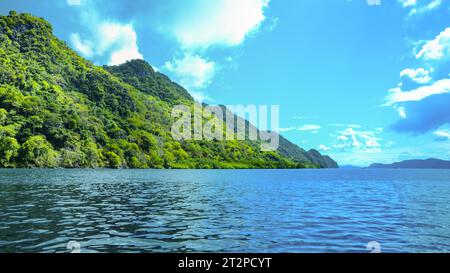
(224,211)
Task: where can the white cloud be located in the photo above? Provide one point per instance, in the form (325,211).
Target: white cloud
(356,140)
(307,127)
(324,148)
(192,71)
(407,3)
(222,22)
(116,41)
(420,9)
(202,24)
(417,84)
(442,135)
(124,40)
(85,48)
(73,2)
(419,75)
(288,129)
(396,95)
(401,111)
(436,49)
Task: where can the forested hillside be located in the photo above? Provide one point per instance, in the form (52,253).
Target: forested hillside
(59,110)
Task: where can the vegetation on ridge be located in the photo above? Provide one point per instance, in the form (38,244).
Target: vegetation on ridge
(59,110)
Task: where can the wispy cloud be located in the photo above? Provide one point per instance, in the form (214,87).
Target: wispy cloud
(195,27)
(436,49)
(420,7)
(407,3)
(423,95)
(73,2)
(324,148)
(304,128)
(396,95)
(192,71)
(442,135)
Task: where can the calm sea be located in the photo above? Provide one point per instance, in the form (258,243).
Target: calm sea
(224,211)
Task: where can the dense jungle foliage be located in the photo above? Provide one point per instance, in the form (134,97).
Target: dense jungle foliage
(59,110)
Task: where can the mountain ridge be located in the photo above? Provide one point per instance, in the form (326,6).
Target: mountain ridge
(59,110)
(431,163)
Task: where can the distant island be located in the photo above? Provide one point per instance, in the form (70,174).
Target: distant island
(350,167)
(431,163)
(60,110)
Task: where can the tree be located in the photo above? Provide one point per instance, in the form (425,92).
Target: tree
(71,158)
(38,152)
(155,161)
(91,155)
(112,160)
(134,156)
(3,114)
(8,149)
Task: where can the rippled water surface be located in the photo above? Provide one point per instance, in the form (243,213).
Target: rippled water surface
(224,211)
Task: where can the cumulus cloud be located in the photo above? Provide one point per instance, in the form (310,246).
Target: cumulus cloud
(358,140)
(203,24)
(436,49)
(116,41)
(419,75)
(192,71)
(345,125)
(223,22)
(123,40)
(104,41)
(425,115)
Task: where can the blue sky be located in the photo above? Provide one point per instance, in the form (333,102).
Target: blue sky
(359,81)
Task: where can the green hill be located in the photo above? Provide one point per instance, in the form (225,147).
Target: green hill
(59,110)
